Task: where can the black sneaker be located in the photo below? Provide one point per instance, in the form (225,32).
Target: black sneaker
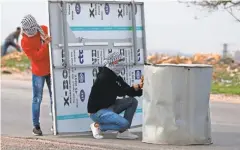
(37,131)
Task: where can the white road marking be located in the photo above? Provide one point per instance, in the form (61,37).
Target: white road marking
(226,124)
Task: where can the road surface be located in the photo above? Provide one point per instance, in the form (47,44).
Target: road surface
(16,126)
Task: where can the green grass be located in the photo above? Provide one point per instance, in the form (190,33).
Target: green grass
(225,89)
(226,84)
(22,64)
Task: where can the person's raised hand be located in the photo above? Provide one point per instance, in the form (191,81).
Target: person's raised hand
(48,39)
(136,87)
(141,82)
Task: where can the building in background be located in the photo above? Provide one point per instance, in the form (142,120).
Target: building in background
(225,50)
(237,56)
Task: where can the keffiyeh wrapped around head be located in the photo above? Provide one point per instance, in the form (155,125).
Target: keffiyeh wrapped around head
(30,27)
(113,61)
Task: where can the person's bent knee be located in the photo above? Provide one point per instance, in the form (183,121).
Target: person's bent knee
(124,125)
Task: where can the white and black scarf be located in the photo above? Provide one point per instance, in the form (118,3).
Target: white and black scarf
(30,27)
(113,62)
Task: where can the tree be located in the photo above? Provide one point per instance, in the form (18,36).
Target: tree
(213,5)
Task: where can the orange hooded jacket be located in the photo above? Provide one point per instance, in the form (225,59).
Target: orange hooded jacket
(37,52)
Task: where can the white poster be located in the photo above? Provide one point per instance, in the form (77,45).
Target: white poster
(103,21)
(84,56)
(73,88)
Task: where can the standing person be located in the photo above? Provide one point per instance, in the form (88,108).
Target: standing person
(104,107)
(35,44)
(9,41)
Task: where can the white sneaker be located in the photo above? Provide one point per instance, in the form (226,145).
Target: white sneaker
(96,132)
(126,135)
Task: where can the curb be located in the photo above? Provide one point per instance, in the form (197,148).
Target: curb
(82,142)
(22,77)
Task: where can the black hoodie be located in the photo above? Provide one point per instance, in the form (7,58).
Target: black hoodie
(106,88)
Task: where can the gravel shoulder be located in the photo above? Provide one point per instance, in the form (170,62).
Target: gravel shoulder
(13,143)
(225,98)
(17,76)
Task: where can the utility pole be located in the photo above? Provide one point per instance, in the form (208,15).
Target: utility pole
(225,50)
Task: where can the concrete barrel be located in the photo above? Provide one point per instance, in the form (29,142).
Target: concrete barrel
(176,104)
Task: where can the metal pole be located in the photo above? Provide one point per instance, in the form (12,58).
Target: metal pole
(134,35)
(65,35)
(53,98)
(144,35)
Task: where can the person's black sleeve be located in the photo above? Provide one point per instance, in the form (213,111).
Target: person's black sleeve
(96,88)
(124,89)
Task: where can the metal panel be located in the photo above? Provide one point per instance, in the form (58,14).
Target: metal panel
(79,46)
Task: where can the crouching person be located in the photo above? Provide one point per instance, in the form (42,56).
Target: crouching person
(104,107)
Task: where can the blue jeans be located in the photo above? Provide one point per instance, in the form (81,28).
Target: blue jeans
(5,46)
(38,84)
(109,118)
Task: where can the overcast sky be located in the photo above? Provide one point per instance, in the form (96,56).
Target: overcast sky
(170,26)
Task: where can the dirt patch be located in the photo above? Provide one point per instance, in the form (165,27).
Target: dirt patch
(225,98)
(27,76)
(15,62)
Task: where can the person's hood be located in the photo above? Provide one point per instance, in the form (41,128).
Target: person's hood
(114,61)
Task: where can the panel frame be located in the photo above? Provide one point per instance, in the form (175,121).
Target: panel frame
(66,44)
(95,1)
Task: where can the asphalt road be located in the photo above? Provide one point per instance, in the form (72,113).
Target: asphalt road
(16,127)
